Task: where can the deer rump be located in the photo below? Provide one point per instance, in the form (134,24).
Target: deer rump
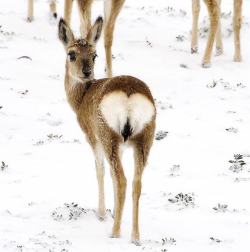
(127,115)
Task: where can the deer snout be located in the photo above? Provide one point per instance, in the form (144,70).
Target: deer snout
(86,72)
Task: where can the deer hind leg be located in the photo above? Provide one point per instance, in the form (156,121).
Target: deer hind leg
(52,6)
(213,10)
(196,12)
(237,26)
(219,45)
(99,162)
(30,11)
(142,145)
(67,10)
(112,153)
(84,7)
(112,9)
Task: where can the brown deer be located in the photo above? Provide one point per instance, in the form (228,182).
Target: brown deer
(112,9)
(52,6)
(213,7)
(112,112)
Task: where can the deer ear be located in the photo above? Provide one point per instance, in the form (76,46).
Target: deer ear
(65,33)
(95,32)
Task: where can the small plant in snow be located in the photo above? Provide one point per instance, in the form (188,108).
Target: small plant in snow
(161,135)
(240,85)
(3,166)
(212,84)
(24,92)
(168,241)
(186,200)
(183,13)
(163,105)
(174,170)
(215,240)
(237,164)
(148,43)
(232,130)
(54,136)
(38,143)
(180,38)
(226,15)
(40,242)
(242,179)
(221,208)
(68,212)
(225,84)
(183,65)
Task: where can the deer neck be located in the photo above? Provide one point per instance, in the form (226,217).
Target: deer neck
(75,91)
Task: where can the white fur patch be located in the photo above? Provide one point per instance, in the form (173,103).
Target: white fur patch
(117,108)
(75,78)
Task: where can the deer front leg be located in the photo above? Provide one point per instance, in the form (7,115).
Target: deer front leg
(237,26)
(213,10)
(52,6)
(30,11)
(196,12)
(85,16)
(111,11)
(99,162)
(67,10)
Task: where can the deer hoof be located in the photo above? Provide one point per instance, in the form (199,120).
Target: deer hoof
(206,65)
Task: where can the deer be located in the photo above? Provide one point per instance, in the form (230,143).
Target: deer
(113,113)
(52,6)
(214,10)
(112,9)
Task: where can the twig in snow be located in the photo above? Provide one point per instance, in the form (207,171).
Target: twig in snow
(3,166)
(24,57)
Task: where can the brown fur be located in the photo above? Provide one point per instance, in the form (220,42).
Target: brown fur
(85,96)
(52,6)
(213,7)
(84,7)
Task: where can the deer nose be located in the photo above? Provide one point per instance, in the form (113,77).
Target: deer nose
(87,72)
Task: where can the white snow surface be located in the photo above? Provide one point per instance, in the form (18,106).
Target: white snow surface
(193,198)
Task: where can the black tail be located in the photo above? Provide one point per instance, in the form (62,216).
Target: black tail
(127,131)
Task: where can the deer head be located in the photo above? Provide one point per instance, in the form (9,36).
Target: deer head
(81,53)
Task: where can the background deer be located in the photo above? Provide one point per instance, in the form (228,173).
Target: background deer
(213,7)
(111,11)
(111,112)
(52,6)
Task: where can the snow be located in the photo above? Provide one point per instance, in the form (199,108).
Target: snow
(193,198)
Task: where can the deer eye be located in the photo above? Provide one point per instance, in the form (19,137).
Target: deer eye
(94,56)
(72,56)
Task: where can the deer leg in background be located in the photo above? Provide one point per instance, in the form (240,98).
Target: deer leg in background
(85,16)
(237,26)
(111,11)
(213,10)
(30,11)
(196,12)
(52,6)
(68,10)
(219,45)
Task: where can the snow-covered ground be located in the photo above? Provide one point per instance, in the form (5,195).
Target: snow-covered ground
(196,186)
